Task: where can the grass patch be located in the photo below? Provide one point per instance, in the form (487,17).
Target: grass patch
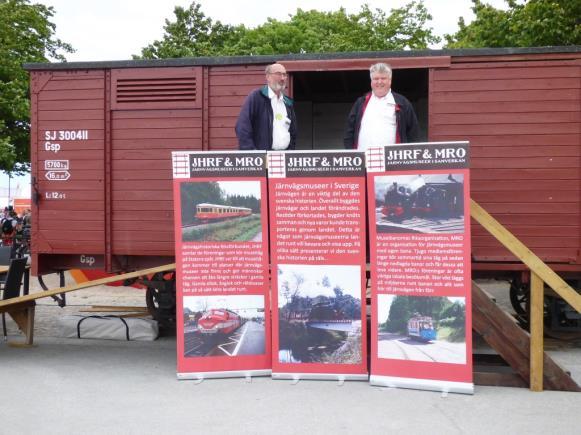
(453,335)
(237,230)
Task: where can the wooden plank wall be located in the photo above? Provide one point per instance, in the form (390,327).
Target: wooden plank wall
(141,171)
(73,224)
(522,119)
(228,87)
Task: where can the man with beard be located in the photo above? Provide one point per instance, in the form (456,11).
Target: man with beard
(267,120)
(381,117)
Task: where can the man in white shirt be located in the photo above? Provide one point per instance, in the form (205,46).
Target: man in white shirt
(267,119)
(381,117)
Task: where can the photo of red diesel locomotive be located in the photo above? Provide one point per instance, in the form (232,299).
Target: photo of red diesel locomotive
(213,212)
(219,321)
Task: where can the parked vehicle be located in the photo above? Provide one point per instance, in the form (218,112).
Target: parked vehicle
(102,135)
(421,328)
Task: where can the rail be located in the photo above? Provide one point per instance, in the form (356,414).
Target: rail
(541,274)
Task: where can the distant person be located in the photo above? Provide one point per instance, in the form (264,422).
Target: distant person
(267,119)
(380,117)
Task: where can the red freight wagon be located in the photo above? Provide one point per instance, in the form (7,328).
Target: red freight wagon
(102,133)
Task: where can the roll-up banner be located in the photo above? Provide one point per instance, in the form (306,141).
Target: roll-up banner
(221,231)
(419,219)
(317,239)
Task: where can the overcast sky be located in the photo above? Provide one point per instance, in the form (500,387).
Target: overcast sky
(116,29)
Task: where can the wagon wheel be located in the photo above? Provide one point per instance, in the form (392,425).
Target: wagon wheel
(519,296)
(160,299)
(520,300)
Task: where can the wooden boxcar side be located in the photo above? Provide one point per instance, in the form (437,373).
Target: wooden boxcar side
(521,115)
(520,109)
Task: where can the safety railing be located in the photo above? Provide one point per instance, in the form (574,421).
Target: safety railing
(541,274)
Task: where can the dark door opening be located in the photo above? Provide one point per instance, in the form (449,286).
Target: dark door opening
(323,101)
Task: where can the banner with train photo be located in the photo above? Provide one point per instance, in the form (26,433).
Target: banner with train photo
(221,230)
(317,241)
(419,224)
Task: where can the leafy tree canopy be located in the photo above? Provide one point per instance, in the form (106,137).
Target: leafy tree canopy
(194,34)
(533,23)
(26,35)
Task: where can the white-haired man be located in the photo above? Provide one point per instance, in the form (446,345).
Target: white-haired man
(380,117)
(267,119)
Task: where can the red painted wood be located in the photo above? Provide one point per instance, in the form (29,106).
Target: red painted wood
(508,95)
(227,101)
(548,255)
(71,224)
(504,84)
(88,83)
(526,162)
(364,64)
(156,88)
(540,220)
(524,151)
(521,117)
(71,105)
(494,72)
(536,231)
(544,196)
(144,235)
(158,123)
(484,129)
(168,143)
(524,174)
(531,208)
(547,117)
(523,185)
(530,241)
(507,107)
(253,80)
(158,133)
(75,94)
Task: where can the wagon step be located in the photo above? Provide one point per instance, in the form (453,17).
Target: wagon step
(512,343)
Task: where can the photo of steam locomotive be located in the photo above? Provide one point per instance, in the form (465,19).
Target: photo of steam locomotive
(422,203)
(424,199)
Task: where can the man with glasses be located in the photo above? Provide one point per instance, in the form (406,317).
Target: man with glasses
(267,119)
(381,117)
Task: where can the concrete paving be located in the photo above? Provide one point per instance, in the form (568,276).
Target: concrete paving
(70,386)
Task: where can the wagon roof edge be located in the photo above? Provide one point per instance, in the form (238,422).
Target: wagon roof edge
(265,59)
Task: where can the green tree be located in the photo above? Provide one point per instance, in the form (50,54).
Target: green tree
(26,35)
(529,24)
(398,315)
(192,194)
(194,34)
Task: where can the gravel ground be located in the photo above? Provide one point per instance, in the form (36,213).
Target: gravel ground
(48,312)
(565,352)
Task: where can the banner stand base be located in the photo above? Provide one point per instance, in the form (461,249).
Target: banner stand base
(247,374)
(340,378)
(422,384)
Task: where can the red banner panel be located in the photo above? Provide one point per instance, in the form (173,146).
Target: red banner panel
(221,228)
(317,239)
(419,225)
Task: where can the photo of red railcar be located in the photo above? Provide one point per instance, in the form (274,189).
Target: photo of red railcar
(213,212)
